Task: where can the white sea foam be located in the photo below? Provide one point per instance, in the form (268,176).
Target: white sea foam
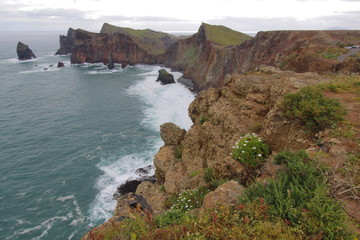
(164,103)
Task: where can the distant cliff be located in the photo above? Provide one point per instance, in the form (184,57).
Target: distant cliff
(214,51)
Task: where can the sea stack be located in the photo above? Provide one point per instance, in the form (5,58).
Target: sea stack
(165,77)
(24,52)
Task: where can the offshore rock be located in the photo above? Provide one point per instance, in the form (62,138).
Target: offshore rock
(24,52)
(60,64)
(111,64)
(165,77)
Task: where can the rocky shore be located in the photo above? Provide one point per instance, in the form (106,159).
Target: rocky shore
(241,89)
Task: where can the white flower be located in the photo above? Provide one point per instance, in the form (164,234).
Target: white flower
(244,144)
(243,151)
(254,147)
(259,155)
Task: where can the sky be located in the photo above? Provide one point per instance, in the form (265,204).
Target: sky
(182,15)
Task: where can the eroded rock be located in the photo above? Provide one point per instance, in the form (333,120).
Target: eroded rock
(171,134)
(24,52)
(165,77)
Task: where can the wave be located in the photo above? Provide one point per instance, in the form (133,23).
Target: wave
(163,103)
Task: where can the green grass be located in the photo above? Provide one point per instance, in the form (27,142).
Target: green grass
(149,40)
(224,36)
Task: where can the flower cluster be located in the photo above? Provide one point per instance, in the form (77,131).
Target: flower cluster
(250,150)
(189,199)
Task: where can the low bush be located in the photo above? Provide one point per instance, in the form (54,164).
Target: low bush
(250,150)
(314,109)
(299,196)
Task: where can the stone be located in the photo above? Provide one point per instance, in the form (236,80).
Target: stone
(165,77)
(153,195)
(144,170)
(60,64)
(130,186)
(171,134)
(226,194)
(24,52)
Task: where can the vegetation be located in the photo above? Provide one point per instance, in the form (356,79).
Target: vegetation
(299,197)
(314,109)
(224,36)
(149,40)
(250,150)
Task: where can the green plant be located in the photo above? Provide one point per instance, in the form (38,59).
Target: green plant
(189,199)
(170,217)
(250,150)
(202,120)
(209,175)
(194,173)
(314,109)
(178,152)
(299,196)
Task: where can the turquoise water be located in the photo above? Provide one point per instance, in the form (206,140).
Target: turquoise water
(69,136)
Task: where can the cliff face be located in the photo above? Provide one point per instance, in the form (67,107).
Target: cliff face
(95,47)
(153,42)
(301,51)
(66,42)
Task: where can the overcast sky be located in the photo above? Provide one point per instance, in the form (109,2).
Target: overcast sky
(182,15)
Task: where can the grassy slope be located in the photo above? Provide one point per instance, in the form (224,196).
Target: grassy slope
(224,36)
(147,39)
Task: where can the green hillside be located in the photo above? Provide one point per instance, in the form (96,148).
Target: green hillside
(224,36)
(152,41)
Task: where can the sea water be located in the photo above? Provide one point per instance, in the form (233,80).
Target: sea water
(70,136)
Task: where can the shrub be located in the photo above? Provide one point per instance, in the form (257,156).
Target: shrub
(202,120)
(314,109)
(250,150)
(178,152)
(299,196)
(170,217)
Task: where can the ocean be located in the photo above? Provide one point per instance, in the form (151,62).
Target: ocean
(70,136)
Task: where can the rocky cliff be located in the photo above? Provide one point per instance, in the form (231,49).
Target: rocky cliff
(301,51)
(247,103)
(66,42)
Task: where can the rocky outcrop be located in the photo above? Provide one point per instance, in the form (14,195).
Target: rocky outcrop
(66,42)
(111,64)
(60,64)
(171,134)
(247,103)
(226,194)
(165,77)
(24,52)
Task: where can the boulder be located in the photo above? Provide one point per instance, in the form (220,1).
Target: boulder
(24,52)
(226,194)
(165,77)
(171,134)
(60,64)
(130,186)
(153,195)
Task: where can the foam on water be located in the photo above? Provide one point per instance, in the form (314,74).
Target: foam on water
(163,103)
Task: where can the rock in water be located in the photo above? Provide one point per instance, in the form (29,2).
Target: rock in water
(24,52)
(60,64)
(165,77)
(111,63)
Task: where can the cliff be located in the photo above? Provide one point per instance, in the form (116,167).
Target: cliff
(300,51)
(193,165)
(153,42)
(66,42)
